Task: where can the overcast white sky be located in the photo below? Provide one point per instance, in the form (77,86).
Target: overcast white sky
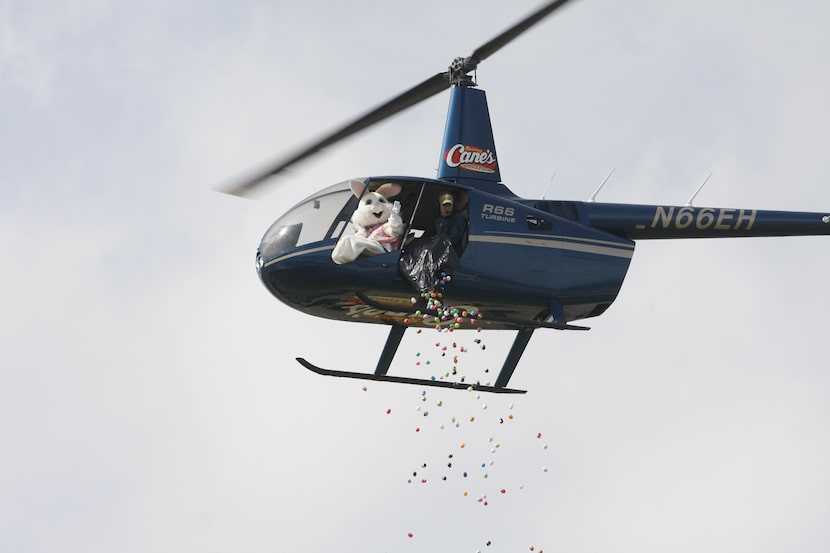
(149,397)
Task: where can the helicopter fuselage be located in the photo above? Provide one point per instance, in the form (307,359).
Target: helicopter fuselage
(520,261)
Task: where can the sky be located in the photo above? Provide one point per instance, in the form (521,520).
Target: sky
(149,396)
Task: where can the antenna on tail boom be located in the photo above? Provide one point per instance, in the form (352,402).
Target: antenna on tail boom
(548,186)
(699,188)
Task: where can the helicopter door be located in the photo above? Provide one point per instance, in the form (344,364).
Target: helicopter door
(424,206)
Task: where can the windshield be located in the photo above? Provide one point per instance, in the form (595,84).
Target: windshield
(316,218)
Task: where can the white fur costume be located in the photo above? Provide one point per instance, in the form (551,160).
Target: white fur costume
(376,228)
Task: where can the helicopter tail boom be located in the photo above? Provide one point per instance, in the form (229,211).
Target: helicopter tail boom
(650,222)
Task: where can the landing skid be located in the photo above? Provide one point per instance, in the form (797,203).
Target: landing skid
(407,380)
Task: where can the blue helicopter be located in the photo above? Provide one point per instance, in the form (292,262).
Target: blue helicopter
(522,264)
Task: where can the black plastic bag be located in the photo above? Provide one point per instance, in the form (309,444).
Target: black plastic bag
(424,259)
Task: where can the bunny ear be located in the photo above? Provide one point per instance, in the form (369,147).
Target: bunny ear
(389,189)
(357,187)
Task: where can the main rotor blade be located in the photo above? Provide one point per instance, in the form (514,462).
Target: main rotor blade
(490,48)
(430,87)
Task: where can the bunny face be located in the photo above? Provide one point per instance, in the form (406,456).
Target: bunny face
(374,207)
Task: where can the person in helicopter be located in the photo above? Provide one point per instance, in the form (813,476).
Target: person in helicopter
(450,223)
(437,251)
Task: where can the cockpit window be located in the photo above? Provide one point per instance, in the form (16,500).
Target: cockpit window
(315,218)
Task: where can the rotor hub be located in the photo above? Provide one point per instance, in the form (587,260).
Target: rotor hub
(459,71)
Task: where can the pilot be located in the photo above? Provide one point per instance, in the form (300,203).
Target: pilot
(450,223)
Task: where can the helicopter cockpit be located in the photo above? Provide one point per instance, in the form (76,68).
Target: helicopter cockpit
(326,215)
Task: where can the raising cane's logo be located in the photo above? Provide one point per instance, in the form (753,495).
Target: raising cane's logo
(471,158)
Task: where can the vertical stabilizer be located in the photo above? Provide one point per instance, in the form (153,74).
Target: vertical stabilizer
(469,151)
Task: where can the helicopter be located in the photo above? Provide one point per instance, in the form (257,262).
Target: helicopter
(523,264)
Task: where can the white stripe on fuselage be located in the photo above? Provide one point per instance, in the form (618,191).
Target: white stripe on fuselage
(583,245)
